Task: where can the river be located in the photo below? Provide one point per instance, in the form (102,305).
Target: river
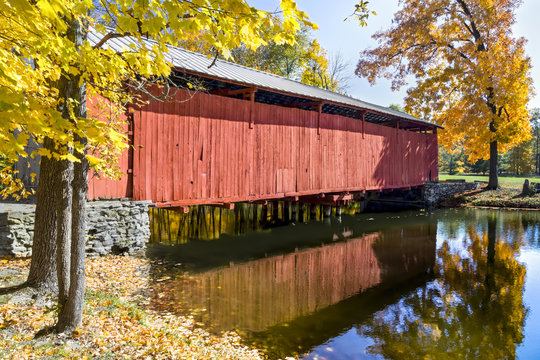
(444,284)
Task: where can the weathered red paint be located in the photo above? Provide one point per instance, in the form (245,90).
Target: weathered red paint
(201,150)
(104,188)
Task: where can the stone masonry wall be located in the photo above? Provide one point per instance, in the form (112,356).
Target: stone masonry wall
(114,227)
(437,192)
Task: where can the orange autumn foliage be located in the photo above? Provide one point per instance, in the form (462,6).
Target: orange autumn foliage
(472,75)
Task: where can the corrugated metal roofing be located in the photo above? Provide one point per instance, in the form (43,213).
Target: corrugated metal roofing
(227,71)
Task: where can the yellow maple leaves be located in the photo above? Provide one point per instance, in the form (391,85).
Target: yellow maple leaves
(117,319)
(36,53)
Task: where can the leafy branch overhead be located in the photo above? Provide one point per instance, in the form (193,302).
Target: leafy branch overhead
(303,60)
(361,13)
(35,54)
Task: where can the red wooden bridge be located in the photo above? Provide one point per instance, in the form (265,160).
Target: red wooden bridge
(252,136)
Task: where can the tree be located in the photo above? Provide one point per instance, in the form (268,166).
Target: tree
(520,158)
(48,72)
(315,68)
(452,161)
(339,71)
(480,166)
(472,74)
(396,107)
(535,121)
(524,158)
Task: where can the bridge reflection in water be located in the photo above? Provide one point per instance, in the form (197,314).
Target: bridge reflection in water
(295,291)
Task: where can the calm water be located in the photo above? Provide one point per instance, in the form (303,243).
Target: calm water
(448,284)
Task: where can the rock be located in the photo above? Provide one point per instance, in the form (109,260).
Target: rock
(527,190)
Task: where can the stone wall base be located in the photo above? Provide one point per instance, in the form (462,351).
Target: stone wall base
(113,227)
(435,192)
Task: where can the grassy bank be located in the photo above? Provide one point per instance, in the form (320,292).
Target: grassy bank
(509,181)
(508,196)
(118,321)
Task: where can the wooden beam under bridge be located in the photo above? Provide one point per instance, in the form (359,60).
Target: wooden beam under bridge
(327,199)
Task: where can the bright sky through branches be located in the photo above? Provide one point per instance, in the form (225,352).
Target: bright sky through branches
(347,37)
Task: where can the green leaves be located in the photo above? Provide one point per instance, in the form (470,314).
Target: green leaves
(361,13)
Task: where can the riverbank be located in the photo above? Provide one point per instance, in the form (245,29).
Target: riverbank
(508,196)
(118,320)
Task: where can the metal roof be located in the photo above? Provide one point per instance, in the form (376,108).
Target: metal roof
(229,72)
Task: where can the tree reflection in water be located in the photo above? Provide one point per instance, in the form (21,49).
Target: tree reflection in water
(474,310)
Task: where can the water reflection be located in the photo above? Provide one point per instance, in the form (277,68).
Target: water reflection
(473,310)
(263,284)
(443,285)
(210,222)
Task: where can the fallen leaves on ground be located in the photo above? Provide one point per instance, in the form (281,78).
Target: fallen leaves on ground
(117,322)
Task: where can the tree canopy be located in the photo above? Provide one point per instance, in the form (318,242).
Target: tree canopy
(35,53)
(472,75)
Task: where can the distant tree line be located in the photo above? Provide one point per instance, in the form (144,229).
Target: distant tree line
(522,159)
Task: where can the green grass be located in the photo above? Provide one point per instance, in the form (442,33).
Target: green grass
(510,180)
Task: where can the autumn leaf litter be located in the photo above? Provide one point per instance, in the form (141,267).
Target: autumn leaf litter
(118,322)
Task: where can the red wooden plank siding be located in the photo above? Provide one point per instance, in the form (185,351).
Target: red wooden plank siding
(200,148)
(100,187)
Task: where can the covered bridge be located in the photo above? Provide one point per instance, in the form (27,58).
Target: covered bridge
(253,136)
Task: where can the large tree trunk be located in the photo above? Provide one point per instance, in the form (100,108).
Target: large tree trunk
(42,274)
(70,315)
(63,227)
(493,183)
(67,90)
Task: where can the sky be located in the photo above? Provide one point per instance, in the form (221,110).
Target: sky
(349,38)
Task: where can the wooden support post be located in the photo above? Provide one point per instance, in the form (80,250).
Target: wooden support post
(286,210)
(180,209)
(275,210)
(327,211)
(264,213)
(228,206)
(319,110)
(313,211)
(130,115)
(363,124)
(251,106)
